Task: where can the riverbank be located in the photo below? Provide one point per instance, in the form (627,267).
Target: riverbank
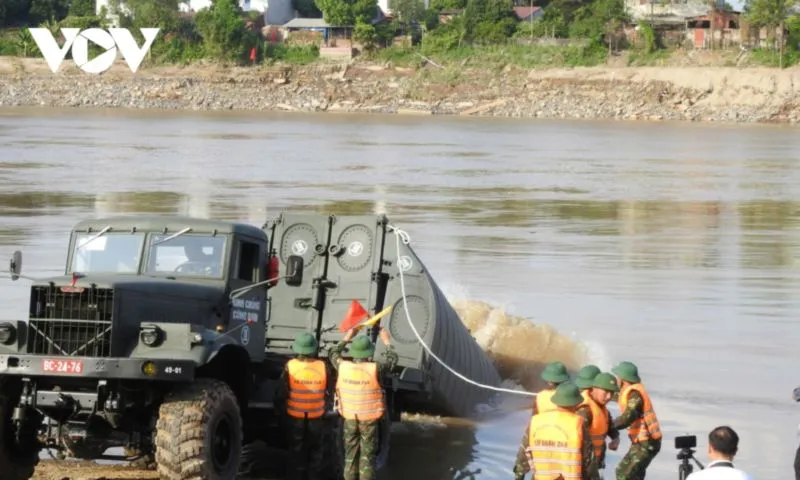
(703,93)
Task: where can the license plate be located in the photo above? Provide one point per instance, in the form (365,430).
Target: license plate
(63,366)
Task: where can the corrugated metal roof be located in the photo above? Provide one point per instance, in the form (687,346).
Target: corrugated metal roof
(306,23)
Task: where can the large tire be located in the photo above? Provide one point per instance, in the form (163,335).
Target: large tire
(17,461)
(199,433)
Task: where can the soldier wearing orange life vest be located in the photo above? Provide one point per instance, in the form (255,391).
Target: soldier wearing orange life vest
(597,394)
(639,417)
(303,400)
(585,378)
(559,445)
(361,401)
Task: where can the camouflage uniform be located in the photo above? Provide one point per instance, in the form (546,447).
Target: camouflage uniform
(634,465)
(361,438)
(522,466)
(304,436)
(612,433)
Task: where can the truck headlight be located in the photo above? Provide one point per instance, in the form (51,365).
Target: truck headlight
(151,335)
(8,333)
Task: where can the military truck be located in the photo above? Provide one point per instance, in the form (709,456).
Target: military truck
(166,335)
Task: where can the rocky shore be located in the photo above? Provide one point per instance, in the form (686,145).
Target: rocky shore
(706,94)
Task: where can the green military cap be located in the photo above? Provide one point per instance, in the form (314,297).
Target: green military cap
(305,344)
(555,372)
(567,395)
(627,371)
(586,375)
(362,347)
(605,381)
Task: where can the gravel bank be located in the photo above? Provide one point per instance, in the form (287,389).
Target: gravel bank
(704,94)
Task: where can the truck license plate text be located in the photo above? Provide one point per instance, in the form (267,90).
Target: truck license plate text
(63,366)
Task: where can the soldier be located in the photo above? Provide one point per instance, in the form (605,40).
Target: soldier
(302,399)
(601,423)
(640,419)
(559,444)
(361,403)
(585,378)
(554,373)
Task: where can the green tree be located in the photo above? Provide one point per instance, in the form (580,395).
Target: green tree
(42,10)
(348,12)
(488,21)
(161,14)
(82,8)
(307,8)
(13,12)
(599,20)
(439,5)
(408,12)
(223,30)
(771,14)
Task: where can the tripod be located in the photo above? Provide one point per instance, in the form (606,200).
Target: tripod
(685,468)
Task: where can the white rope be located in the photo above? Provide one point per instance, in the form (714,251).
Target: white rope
(406,239)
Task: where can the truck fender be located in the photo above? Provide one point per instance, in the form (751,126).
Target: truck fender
(223,343)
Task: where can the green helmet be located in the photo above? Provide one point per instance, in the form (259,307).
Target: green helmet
(627,371)
(567,395)
(606,381)
(305,344)
(555,372)
(361,348)
(586,375)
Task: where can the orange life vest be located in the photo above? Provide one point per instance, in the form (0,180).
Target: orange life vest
(646,427)
(307,382)
(359,392)
(543,402)
(599,427)
(555,441)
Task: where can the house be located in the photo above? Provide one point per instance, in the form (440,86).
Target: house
(528,14)
(725,31)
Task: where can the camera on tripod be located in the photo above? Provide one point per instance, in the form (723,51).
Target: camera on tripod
(685,444)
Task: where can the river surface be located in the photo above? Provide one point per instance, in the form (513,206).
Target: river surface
(673,246)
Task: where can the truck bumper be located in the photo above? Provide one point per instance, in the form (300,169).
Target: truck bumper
(99,368)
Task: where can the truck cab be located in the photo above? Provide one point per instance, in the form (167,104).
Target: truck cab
(146,306)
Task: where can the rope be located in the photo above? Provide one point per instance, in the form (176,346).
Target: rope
(406,239)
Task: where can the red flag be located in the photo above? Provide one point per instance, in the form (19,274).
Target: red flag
(253,54)
(355,314)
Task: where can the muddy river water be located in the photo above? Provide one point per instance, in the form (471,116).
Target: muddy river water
(674,246)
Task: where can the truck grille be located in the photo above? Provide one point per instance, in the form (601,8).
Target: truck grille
(70,323)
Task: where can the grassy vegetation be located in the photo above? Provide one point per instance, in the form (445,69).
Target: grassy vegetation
(498,56)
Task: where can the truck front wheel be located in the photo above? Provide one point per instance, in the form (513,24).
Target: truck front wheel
(19,451)
(199,433)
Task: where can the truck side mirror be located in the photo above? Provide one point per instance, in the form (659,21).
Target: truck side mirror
(15,265)
(294,270)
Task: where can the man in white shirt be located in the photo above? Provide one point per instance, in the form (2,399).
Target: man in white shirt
(723,443)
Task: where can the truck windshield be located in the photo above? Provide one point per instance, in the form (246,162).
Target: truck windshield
(186,254)
(107,253)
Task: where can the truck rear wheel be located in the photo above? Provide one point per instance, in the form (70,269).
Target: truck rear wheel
(199,433)
(18,457)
